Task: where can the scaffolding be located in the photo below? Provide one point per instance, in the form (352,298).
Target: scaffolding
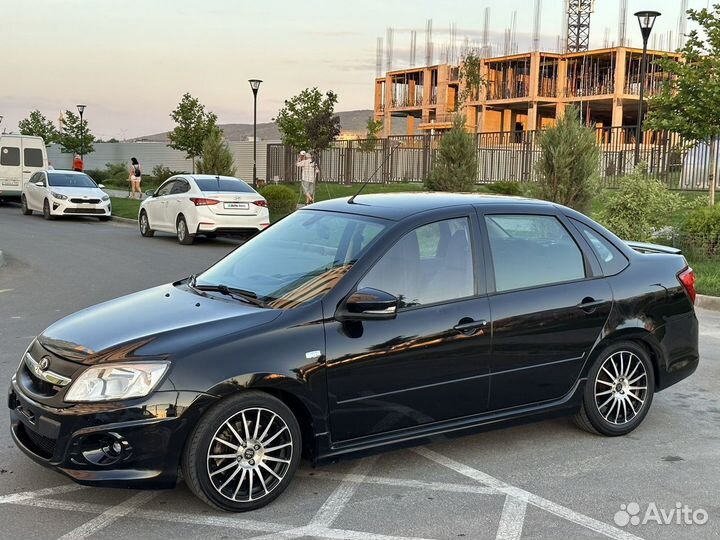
(654,79)
(590,75)
(508,79)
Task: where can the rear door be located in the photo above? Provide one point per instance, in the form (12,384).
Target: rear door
(174,203)
(10,166)
(549,306)
(34,157)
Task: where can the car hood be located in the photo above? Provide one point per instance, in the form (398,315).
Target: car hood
(156,323)
(94,193)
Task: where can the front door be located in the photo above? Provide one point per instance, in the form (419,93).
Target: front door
(156,207)
(432,361)
(548,309)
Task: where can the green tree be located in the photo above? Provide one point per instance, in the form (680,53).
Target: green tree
(37,125)
(568,163)
(216,157)
(689,103)
(75,138)
(456,166)
(193,124)
(308,121)
(373,129)
(471,78)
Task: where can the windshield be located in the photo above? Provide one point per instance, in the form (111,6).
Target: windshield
(57,179)
(223,184)
(298,259)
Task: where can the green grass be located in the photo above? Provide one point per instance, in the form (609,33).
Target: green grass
(325,191)
(707,274)
(125,208)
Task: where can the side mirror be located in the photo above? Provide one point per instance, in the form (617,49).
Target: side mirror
(101,186)
(368,305)
(149,193)
(40,183)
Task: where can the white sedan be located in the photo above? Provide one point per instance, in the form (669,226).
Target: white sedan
(192,204)
(64,193)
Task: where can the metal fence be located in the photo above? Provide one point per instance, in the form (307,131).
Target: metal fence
(502,156)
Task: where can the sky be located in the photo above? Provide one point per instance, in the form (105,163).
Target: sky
(130,61)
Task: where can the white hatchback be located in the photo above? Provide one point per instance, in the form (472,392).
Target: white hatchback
(64,193)
(192,204)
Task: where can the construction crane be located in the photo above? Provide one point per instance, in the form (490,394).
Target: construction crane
(578,24)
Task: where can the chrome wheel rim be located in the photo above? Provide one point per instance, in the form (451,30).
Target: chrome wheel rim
(621,388)
(46,208)
(249,455)
(181,229)
(143,223)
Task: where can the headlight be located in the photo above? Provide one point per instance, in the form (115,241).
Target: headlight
(58,195)
(105,198)
(116,381)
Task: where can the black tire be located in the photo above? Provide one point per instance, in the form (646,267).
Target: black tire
(46,211)
(613,402)
(104,218)
(183,233)
(23,204)
(231,488)
(144,223)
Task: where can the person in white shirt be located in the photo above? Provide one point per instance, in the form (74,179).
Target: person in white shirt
(308,170)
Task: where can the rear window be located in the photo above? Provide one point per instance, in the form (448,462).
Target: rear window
(10,156)
(33,157)
(223,184)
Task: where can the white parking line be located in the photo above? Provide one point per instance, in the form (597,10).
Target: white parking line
(109,516)
(512,519)
(521,494)
(25,495)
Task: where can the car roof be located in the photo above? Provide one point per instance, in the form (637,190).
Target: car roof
(397,206)
(211,177)
(63,171)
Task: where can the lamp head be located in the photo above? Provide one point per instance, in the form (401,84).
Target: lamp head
(255,84)
(646,20)
(81,108)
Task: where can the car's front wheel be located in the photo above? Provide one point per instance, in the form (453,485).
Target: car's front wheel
(23,203)
(47,214)
(243,453)
(619,390)
(145,229)
(183,234)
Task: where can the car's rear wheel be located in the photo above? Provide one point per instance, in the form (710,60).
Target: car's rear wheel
(145,229)
(183,234)
(243,453)
(47,214)
(23,203)
(619,390)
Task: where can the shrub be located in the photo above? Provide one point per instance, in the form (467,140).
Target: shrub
(639,207)
(506,187)
(701,231)
(455,167)
(162,173)
(99,175)
(568,163)
(281,199)
(216,155)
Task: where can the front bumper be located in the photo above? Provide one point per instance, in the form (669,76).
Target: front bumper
(79,441)
(68,208)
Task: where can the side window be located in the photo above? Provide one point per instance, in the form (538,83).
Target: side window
(180,186)
(33,157)
(431,264)
(10,156)
(531,251)
(165,189)
(611,258)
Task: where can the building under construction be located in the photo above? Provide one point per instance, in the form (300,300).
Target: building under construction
(521,92)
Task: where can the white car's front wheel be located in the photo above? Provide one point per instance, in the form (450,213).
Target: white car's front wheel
(47,214)
(25,210)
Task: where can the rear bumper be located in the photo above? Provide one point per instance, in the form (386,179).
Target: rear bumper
(679,339)
(78,441)
(222,224)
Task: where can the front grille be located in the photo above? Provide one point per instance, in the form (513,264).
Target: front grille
(35,384)
(84,211)
(42,446)
(85,201)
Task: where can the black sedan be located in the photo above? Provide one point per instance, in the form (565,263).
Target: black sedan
(351,325)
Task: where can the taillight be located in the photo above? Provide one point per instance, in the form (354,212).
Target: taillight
(199,201)
(260,203)
(687,279)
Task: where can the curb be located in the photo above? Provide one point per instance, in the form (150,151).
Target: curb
(126,221)
(2,258)
(708,302)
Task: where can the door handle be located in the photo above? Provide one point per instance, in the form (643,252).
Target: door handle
(589,304)
(469,326)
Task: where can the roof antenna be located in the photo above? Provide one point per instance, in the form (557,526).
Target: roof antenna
(351,200)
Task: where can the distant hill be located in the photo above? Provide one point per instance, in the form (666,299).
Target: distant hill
(349,120)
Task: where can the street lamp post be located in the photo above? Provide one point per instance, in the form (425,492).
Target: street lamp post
(255,85)
(81,110)
(646,19)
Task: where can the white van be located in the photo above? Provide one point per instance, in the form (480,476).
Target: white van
(21,156)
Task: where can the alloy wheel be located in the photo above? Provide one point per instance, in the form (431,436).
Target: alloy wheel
(181,230)
(143,223)
(249,455)
(621,387)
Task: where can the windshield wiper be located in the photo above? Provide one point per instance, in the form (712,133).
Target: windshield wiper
(239,294)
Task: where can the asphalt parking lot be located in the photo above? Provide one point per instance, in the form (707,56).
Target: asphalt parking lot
(542,480)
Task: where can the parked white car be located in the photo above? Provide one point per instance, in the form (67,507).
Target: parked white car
(188,205)
(65,193)
(20,157)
